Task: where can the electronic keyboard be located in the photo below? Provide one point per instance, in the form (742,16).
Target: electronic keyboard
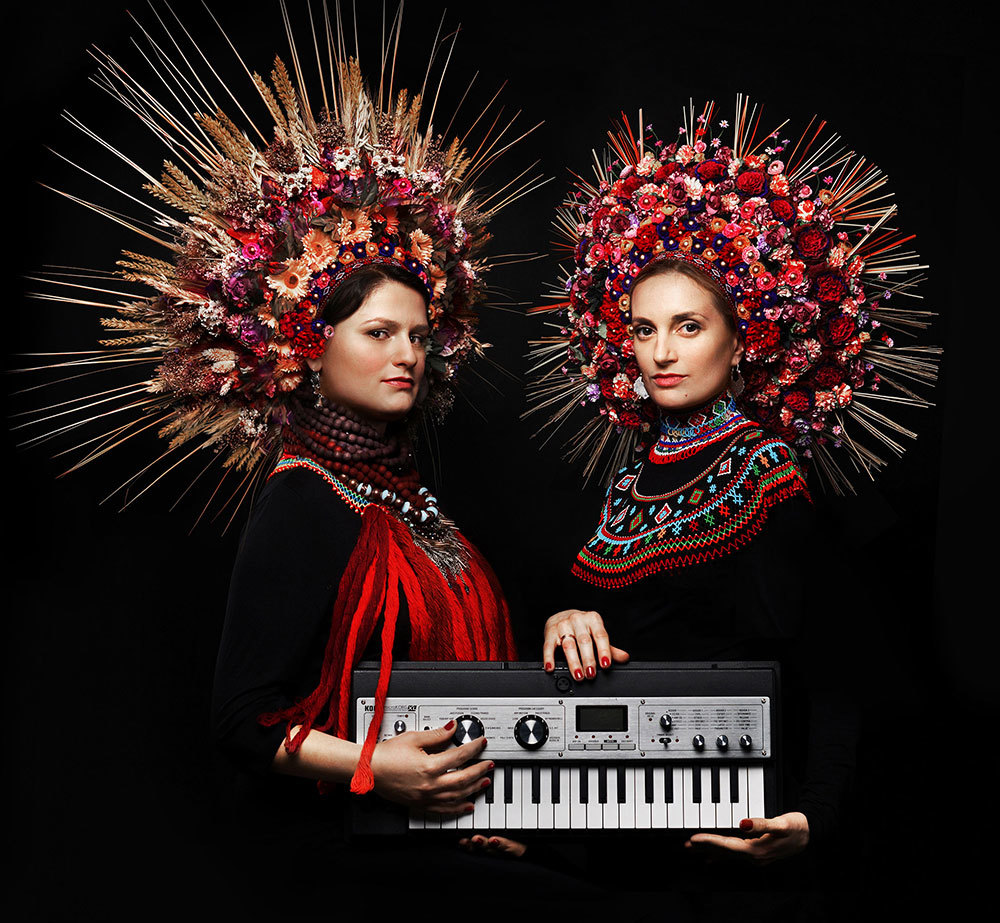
(644,746)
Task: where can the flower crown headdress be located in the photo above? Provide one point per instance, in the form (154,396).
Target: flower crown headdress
(266,229)
(799,237)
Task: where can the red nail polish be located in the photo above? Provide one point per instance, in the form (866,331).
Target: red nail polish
(578,674)
(450,725)
(605,662)
(486,782)
(591,672)
(548,667)
(492,765)
(746,824)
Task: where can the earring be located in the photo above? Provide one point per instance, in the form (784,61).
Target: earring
(736,388)
(314,383)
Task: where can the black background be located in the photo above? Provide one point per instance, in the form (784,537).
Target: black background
(113,617)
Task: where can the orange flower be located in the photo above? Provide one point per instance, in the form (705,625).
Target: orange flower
(294,281)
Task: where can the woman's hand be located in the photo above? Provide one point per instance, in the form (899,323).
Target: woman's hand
(498,846)
(579,634)
(418,769)
(778,838)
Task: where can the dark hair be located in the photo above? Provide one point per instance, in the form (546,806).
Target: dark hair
(347,297)
(681,267)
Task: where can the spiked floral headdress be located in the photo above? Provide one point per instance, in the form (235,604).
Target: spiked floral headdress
(265,224)
(799,237)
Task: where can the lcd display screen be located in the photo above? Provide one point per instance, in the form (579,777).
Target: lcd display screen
(602,717)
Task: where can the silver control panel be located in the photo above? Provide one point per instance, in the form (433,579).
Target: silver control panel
(612,728)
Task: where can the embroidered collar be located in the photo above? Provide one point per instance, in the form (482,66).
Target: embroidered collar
(681,436)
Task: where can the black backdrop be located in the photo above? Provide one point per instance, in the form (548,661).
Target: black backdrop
(113,617)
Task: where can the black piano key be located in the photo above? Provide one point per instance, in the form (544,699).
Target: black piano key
(649,784)
(584,794)
(734,784)
(490,789)
(602,784)
(556,795)
(696,784)
(716,785)
(536,784)
(508,784)
(622,796)
(668,784)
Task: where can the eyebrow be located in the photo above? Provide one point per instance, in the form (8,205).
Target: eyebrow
(674,318)
(395,325)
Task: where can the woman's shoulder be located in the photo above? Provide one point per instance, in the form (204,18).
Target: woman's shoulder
(303,494)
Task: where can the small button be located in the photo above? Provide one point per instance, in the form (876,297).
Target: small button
(626,746)
(609,746)
(592,746)
(577,747)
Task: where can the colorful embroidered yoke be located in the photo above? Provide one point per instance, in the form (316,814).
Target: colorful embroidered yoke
(464,618)
(706,491)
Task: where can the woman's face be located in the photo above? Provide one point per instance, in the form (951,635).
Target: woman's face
(685,349)
(374,362)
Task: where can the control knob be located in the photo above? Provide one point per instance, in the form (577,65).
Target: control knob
(722,742)
(699,742)
(531,731)
(467,727)
(746,741)
(666,722)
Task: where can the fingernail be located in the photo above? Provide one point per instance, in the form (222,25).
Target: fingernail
(492,765)
(605,662)
(591,672)
(578,674)
(746,824)
(486,782)
(450,725)
(548,667)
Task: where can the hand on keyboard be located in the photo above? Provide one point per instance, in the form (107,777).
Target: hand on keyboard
(420,770)
(774,838)
(584,643)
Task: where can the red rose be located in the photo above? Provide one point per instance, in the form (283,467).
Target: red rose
(709,171)
(646,237)
(798,401)
(753,182)
(828,376)
(812,244)
(782,210)
(762,338)
(840,329)
(829,288)
(632,183)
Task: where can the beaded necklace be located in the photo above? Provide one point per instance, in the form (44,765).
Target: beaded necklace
(683,435)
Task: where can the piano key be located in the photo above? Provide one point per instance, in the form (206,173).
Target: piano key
(643,820)
(562,797)
(602,784)
(755,786)
(675,809)
(741,807)
(583,790)
(529,807)
(491,790)
(724,809)
(481,815)
(448,822)
(692,813)
(498,807)
(696,785)
(734,785)
(716,784)
(595,813)
(626,799)
(515,806)
(465,821)
(648,777)
(577,801)
(658,809)
(707,806)
(668,784)
(610,820)
(546,813)
(508,783)
(536,783)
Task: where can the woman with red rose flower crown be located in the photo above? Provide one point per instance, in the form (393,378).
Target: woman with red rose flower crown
(722,310)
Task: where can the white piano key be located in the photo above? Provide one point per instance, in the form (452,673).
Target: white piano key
(707,806)
(481,815)
(675,810)
(546,809)
(692,813)
(448,822)
(643,814)
(626,810)
(529,810)
(560,809)
(416,821)
(724,809)
(577,811)
(658,812)
(515,806)
(595,813)
(610,819)
(742,807)
(432,821)
(498,817)
(755,785)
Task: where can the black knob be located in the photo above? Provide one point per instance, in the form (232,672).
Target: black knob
(722,742)
(746,741)
(699,742)
(399,726)
(531,732)
(467,727)
(666,722)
